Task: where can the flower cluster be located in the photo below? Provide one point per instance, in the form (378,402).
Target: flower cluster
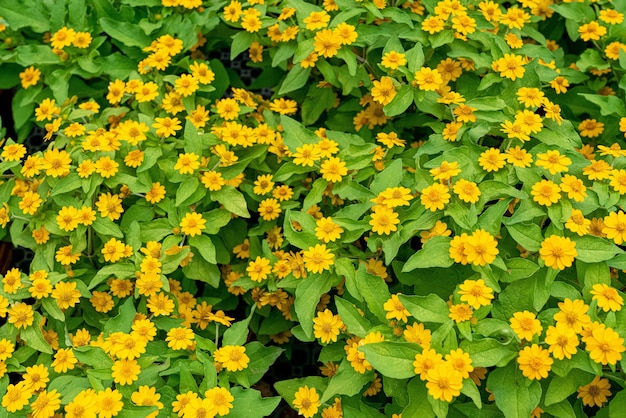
(430,195)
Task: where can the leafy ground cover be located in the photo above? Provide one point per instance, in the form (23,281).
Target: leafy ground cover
(430,193)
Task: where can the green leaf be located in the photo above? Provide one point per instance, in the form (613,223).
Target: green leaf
(355,322)
(261,358)
(595,249)
(435,253)
(609,105)
(392,359)
(201,270)
(418,406)
(127,33)
(33,336)
(237,334)
(517,269)
(304,239)
(295,135)
(391,176)
(233,201)
(249,403)
(186,189)
(488,352)
(308,294)
(119,270)
(296,78)
(123,320)
(35,55)
(346,381)
(205,247)
(18,16)
(514,396)
(617,405)
(105,226)
(429,308)
(401,102)
(471,391)
(374,290)
(93,356)
(561,387)
(528,235)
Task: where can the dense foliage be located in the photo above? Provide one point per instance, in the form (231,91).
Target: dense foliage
(431,192)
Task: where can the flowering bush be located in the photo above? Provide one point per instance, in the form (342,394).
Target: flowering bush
(432,193)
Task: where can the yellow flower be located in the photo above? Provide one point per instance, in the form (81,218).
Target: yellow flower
(109,403)
(393,60)
(418,334)
(21,315)
(475,293)
(125,371)
(525,325)
(259,269)
(573,313)
(317,20)
(590,128)
(64,360)
(444,382)
(608,298)
(578,223)
(492,160)
(113,250)
(591,31)
(187,163)
(180,338)
(604,345)
(433,24)
(440,229)
(62,38)
(595,393)
(383,91)
(395,309)
(553,161)
(425,361)
(221,399)
(333,170)
(546,192)
(46,404)
(461,362)
(30,77)
(269,209)
(318,258)
(457,248)
(65,256)
(467,191)
(232,357)
(156,193)
(574,188)
(562,341)
(56,163)
(193,224)
(611,16)
(535,362)
(306,401)
(480,248)
(559,84)
(327,326)
(30,202)
(615,226)
(166,127)
(383,220)
(326,43)
(435,197)
(510,66)
(110,206)
(558,252)
(618,181)
(428,79)
(326,230)
(66,294)
(460,312)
